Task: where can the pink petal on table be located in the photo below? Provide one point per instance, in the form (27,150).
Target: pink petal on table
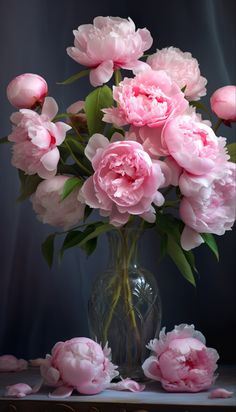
(37,362)
(127,385)
(9,363)
(18,390)
(61,392)
(220,393)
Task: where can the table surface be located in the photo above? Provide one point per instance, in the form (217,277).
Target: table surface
(152,399)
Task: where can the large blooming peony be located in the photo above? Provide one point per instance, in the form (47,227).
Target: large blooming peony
(108,44)
(125,180)
(148,99)
(51,209)
(79,363)
(36,139)
(182,68)
(181,361)
(211,208)
(193,144)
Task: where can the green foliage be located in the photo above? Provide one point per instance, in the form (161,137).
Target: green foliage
(29,184)
(4,140)
(48,249)
(170,229)
(70,185)
(97,100)
(87,239)
(231,147)
(75,77)
(211,243)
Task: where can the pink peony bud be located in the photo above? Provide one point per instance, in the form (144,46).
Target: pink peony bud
(223,103)
(181,361)
(27,90)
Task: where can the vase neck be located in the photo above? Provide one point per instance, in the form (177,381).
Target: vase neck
(124,247)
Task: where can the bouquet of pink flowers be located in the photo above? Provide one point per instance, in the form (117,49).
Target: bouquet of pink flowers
(136,151)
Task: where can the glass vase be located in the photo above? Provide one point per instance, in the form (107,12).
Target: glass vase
(124,308)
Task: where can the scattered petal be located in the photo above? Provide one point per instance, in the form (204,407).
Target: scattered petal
(61,393)
(18,390)
(127,385)
(220,393)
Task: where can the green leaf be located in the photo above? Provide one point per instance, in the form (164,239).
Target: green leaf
(191,259)
(167,223)
(90,246)
(87,212)
(211,243)
(72,239)
(232,151)
(95,230)
(163,246)
(178,256)
(170,227)
(199,106)
(97,100)
(74,144)
(70,185)
(4,140)
(48,249)
(28,185)
(75,77)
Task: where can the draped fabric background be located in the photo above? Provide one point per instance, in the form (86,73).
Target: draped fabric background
(39,306)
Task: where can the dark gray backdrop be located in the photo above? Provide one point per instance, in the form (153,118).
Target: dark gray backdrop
(39,306)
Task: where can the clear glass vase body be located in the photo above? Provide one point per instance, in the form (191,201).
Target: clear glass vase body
(124,308)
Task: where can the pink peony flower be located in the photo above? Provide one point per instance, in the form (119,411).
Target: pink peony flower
(148,99)
(193,144)
(36,139)
(212,208)
(125,180)
(223,103)
(181,361)
(81,364)
(150,138)
(51,209)
(27,91)
(9,363)
(108,44)
(182,68)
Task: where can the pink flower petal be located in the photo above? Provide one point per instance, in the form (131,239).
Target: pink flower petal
(51,159)
(75,107)
(18,390)
(95,142)
(101,74)
(61,393)
(127,385)
(190,239)
(50,108)
(9,363)
(220,393)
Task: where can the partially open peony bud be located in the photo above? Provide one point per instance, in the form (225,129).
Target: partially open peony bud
(223,103)
(81,364)
(181,361)
(27,90)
